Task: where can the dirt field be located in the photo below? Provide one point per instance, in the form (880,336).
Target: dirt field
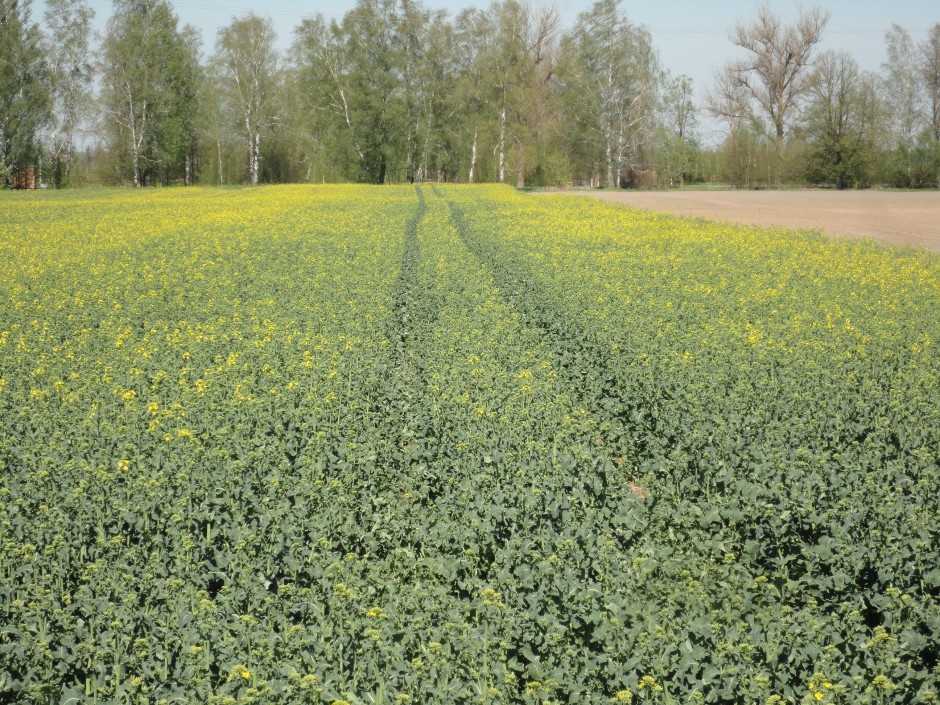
(897,218)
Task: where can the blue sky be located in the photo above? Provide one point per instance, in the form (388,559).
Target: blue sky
(691,35)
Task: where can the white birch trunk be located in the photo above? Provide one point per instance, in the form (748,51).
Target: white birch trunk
(473,157)
(502,145)
(58,149)
(608,153)
(411,171)
(620,141)
(342,96)
(254,157)
(607,101)
(425,156)
(137,132)
(135,156)
(218,146)
(69,149)
(136,162)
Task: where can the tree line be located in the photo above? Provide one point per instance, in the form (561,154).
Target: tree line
(396,92)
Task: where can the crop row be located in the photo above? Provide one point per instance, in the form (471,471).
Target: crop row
(779,394)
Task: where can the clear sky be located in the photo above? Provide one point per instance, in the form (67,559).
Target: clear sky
(690,35)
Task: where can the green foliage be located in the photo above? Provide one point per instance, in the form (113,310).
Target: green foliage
(149,75)
(377,88)
(24,92)
(915,166)
(841,123)
(677,144)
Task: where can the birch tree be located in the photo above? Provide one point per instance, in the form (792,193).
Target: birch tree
(352,72)
(431,69)
(250,68)
(126,87)
(471,96)
(67,42)
(503,36)
(324,89)
(378,85)
(373,46)
(149,74)
(509,58)
(930,74)
(614,77)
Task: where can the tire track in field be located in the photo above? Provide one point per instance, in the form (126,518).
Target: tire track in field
(379,448)
(395,404)
(407,292)
(627,417)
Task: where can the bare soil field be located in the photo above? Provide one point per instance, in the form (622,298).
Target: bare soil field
(893,217)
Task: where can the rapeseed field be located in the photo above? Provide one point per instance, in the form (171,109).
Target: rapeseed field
(438,444)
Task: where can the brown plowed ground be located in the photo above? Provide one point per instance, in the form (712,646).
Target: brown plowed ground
(893,217)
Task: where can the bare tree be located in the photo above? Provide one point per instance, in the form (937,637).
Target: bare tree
(930,72)
(246,54)
(728,100)
(779,57)
(902,85)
